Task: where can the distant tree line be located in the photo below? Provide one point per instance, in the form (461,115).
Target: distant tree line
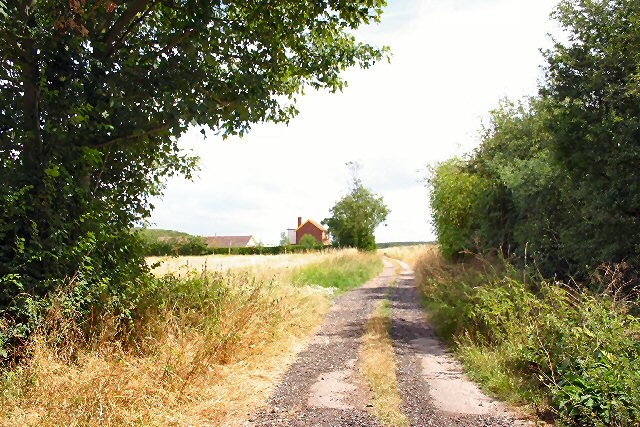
(556,179)
(195,245)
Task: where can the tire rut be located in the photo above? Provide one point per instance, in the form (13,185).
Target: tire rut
(323,387)
(434,388)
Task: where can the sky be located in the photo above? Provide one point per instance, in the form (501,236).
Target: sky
(452,61)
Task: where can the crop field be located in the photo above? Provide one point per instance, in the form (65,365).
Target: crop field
(182,265)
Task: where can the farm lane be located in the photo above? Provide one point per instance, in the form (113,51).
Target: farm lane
(324,387)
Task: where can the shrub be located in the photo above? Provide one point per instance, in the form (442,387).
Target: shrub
(574,352)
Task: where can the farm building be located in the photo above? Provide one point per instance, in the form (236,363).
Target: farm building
(309,227)
(230,241)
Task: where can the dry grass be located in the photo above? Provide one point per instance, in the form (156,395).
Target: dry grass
(188,368)
(183,265)
(208,355)
(409,254)
(378,365)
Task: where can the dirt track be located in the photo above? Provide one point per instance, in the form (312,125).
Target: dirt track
(324,388)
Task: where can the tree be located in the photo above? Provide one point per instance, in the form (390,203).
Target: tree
(94,95)
(556,178)
(308,242)
(593,99)
(284,239)
(355,217)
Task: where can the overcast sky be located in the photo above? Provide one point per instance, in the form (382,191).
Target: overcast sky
(452,61)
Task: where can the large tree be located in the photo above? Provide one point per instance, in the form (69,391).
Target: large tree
(593,98)
(355,217)
(95,94)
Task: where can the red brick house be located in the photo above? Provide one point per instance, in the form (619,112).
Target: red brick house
(313,228)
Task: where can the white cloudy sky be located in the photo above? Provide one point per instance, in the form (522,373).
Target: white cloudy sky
(452,61)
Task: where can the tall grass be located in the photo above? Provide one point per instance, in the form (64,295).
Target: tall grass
(571,355)
(342,270)
(199,345)
(409,254)
(203,348)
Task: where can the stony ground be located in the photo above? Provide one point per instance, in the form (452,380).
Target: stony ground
(324,388)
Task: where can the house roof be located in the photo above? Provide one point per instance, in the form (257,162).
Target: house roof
(227,241)
(312,222)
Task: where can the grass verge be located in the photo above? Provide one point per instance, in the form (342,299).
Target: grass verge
(378,366)
(201,344)
(342,270)
(568,354)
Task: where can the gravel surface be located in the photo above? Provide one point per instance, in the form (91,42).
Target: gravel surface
(324,388)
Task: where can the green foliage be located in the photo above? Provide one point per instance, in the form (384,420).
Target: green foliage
(554,179)
(455,196)
(309,242)
(541,343)
(593,118)
(94,97)
(344,272)
(355,217)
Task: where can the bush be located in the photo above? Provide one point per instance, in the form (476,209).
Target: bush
(540,342)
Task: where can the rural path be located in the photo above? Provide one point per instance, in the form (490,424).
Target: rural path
(324,387)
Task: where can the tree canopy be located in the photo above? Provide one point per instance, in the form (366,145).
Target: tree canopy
(95,94)
(555,179)
(355,217)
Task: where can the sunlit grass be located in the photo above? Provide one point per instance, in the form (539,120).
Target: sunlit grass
(378,366)
(206,349)
(341,270)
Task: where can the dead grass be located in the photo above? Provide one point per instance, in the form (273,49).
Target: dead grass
(188,369)
(183,265)
(409,254)
(209,355)
(378,365)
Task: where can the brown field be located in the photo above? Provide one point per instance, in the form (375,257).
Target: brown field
(189,264)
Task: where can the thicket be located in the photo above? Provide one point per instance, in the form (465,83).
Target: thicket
(570,354)
(555,180)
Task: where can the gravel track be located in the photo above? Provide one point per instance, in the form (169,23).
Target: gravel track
(324,388)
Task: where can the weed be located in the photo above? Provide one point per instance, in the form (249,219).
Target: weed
(572,353)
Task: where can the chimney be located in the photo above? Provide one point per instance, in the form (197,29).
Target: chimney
(299,221)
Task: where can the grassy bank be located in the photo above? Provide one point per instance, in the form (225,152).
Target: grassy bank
(199,342)
(570,355)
